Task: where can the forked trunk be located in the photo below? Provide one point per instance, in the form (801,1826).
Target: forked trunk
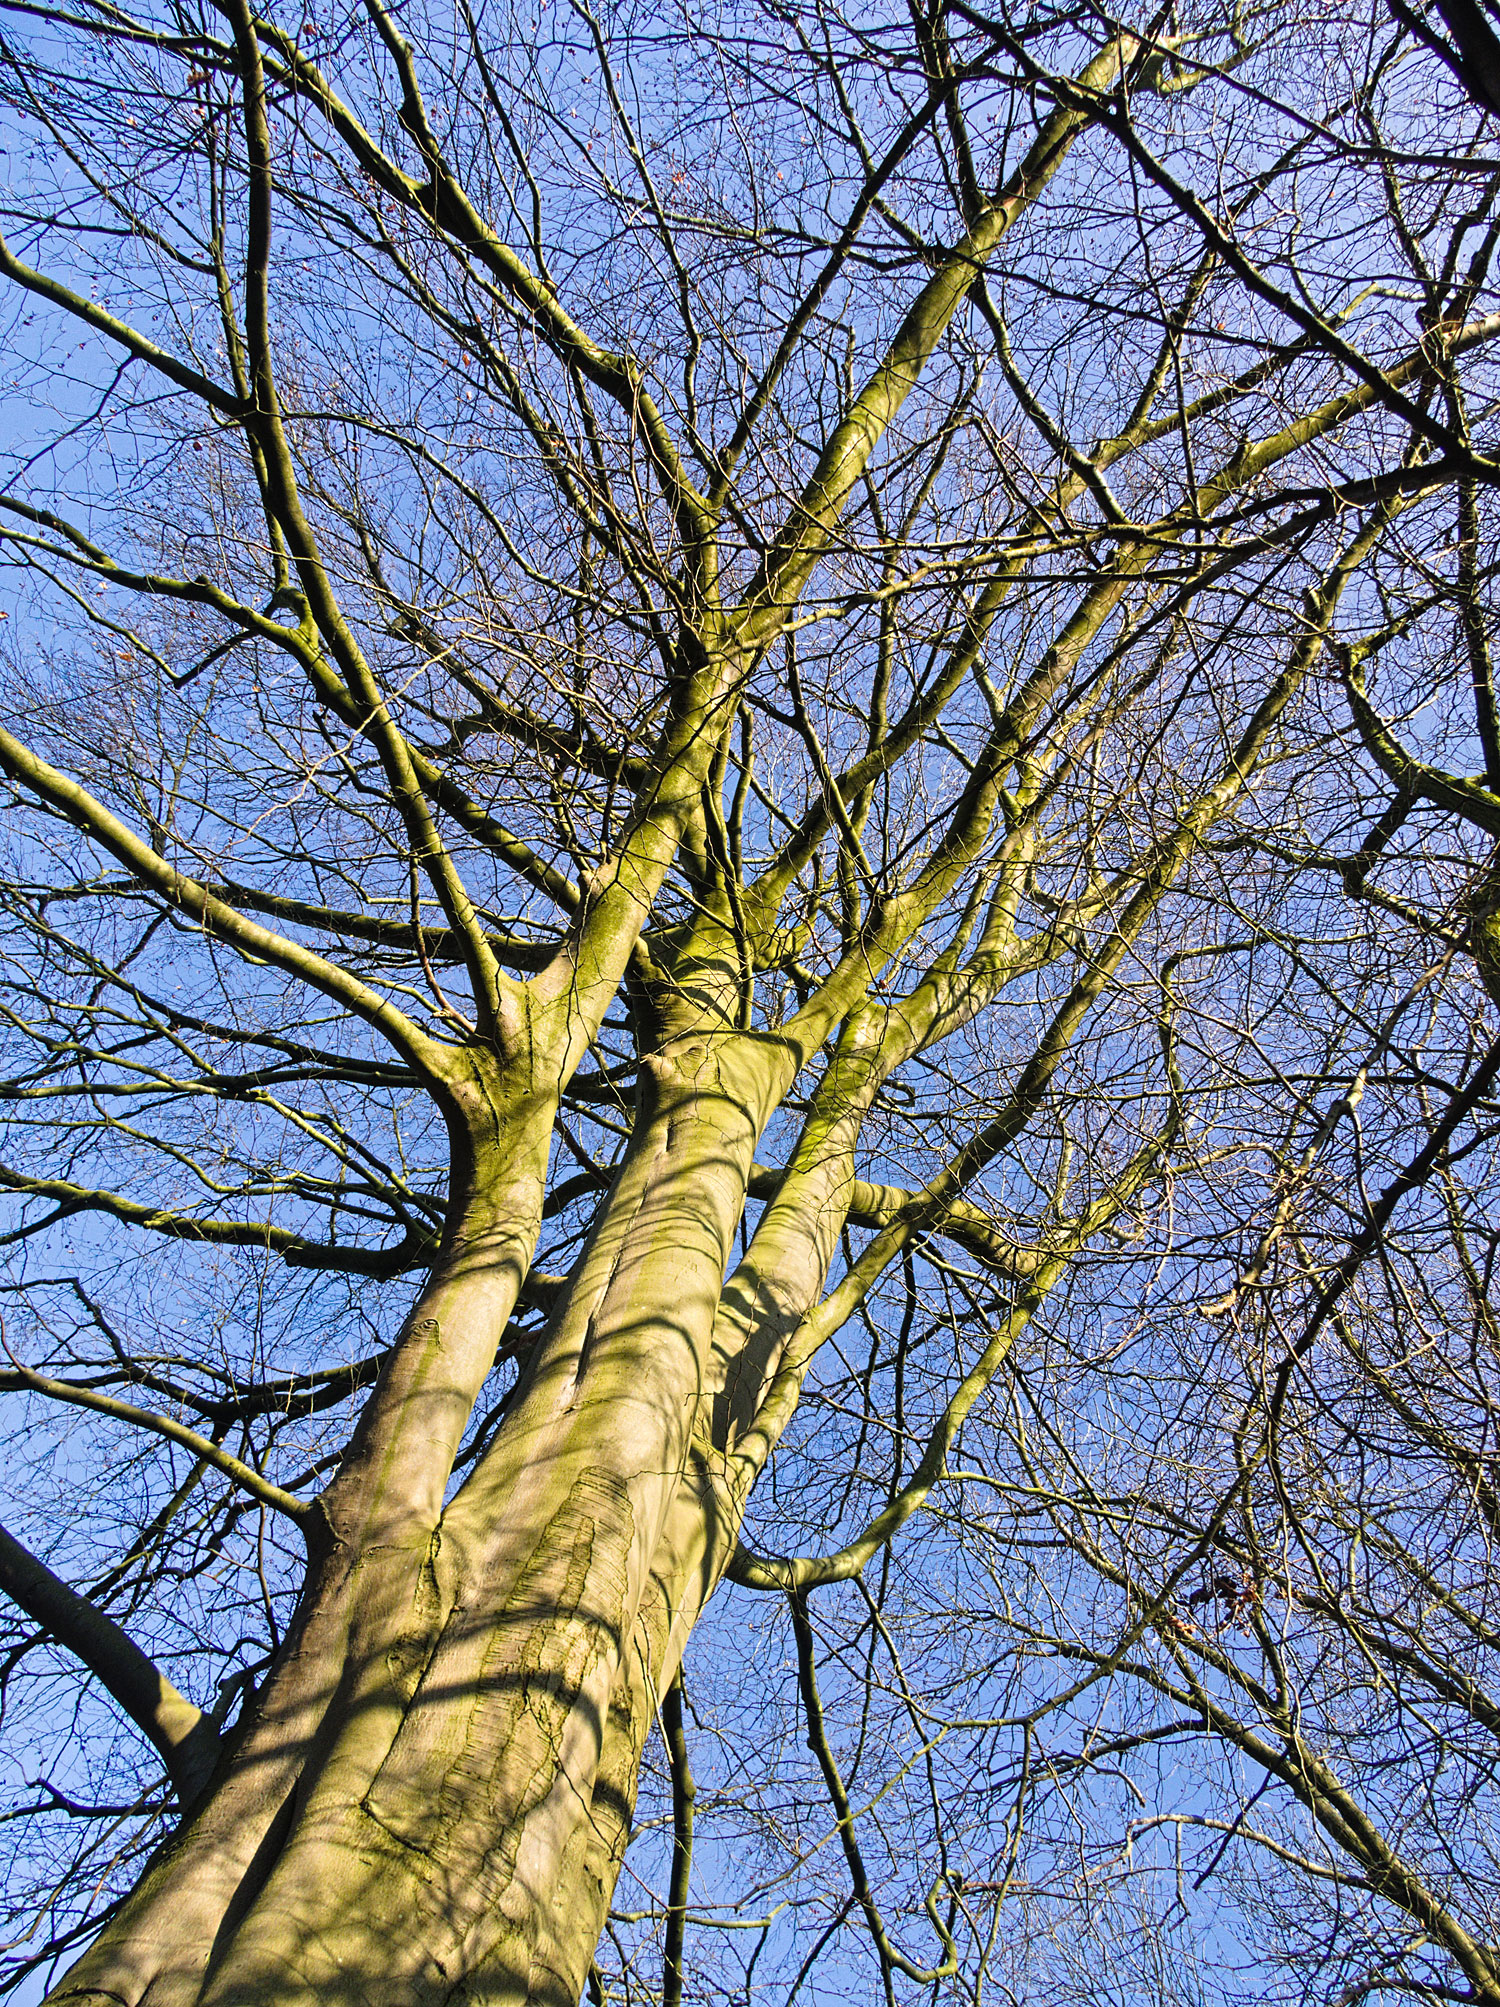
(432,1798)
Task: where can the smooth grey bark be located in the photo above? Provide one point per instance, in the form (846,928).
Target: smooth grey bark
(434,1792)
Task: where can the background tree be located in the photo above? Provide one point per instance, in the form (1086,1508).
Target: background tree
(748,753)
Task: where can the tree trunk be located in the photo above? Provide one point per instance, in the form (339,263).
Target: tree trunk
(432,1797)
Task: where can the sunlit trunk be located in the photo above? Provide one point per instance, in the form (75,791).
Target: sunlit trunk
(432,1797)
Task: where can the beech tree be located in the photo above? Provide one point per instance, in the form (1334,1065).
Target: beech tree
(753,771)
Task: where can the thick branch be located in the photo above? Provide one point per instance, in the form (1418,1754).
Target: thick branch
(414,1251)
(298,1510)
(1458,794)
(186,1738)
(61,792)
(794,554)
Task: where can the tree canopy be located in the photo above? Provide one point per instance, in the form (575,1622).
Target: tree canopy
(750,1001)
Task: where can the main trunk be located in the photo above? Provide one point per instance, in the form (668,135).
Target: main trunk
(431,1799)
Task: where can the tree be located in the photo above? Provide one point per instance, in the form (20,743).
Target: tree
(682,683)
